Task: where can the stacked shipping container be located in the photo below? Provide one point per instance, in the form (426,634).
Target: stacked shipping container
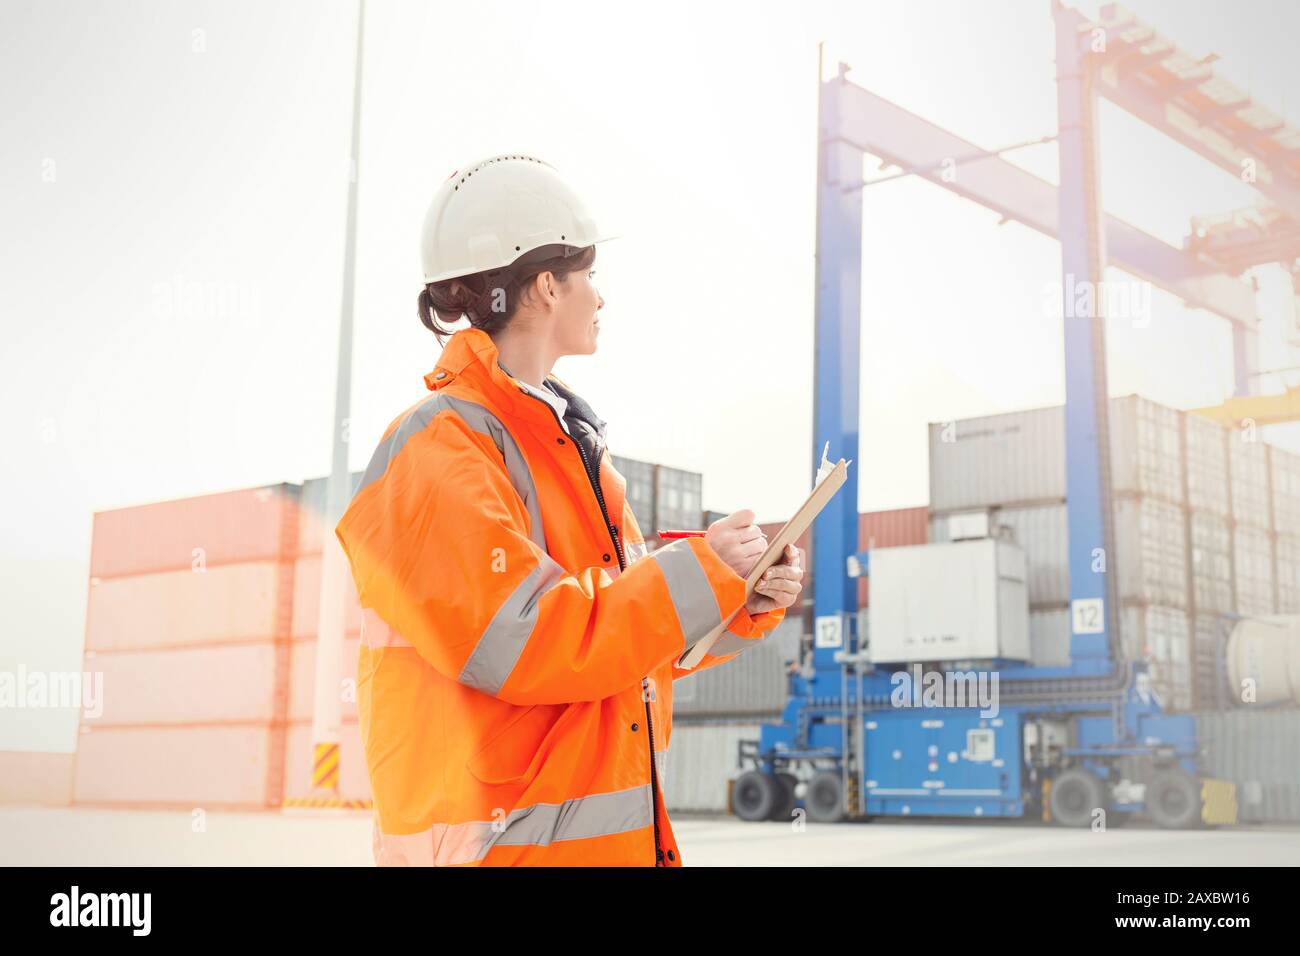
(189,619)
(201,618)
(1196,536)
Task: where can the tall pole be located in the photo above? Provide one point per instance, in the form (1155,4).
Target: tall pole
(1093,611)
(836,362)
(327,715)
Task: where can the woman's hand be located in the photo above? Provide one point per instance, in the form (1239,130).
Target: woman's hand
(780,584)
(737,541)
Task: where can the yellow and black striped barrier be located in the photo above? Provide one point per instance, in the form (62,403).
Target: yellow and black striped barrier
(325,767)
(1218,801)
(327,803)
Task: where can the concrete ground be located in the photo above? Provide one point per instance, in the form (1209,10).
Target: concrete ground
(77,837)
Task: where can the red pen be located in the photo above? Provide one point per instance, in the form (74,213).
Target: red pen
(682,534)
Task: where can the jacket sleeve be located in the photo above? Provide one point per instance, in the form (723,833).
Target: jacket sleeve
(440,548)
(743,633)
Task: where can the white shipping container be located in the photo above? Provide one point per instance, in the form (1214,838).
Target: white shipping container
(702,759)
(1018,458)
(961,601)
(229,682)
(1151,551)
(1014,458)
(1286,491)
(1162,637)
(229,602)
(1150,542)
(211,767)
(1207,465)
(1146,448)
(1288,574)
(1043,535)
(1210,688)
(1211,540)
(1252,552)
(753,683)
(1049,637)
(1249,473)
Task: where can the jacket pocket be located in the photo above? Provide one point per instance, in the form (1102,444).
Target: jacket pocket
(513,754)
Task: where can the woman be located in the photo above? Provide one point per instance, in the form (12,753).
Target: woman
(519,647)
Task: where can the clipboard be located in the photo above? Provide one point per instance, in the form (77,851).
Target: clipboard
(830,478)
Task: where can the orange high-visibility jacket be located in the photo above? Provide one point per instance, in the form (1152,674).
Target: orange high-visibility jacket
(517,663)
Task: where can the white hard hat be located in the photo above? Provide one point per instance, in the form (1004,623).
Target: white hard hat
(487,215)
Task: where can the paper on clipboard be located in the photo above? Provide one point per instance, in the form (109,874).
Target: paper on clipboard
(830,478)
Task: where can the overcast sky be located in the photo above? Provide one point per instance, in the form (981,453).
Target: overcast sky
(173,183)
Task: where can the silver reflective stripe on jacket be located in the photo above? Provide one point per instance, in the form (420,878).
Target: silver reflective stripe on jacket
(502,643)
(447,844)
(692,595)
(479,419)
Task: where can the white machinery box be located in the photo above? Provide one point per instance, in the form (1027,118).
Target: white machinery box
(961,601)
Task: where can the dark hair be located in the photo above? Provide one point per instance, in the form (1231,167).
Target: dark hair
(490,299)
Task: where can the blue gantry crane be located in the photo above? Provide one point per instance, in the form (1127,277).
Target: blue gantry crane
(1082,743)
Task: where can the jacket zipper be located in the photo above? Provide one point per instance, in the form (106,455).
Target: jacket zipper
(622,566)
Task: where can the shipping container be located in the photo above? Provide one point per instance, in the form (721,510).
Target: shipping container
(1211,689)
(1146,449)
(209,767)
(252,525)
(1151,551)
(1150,544)
(354,778)
(1049,637)
(898,527)
(1018,458)
(753,683)
(311,515)
(702,762)
(222,603)
(34,778)
(1211,554)
(1286,491)
(1287,554)
(1013,458)
(1252,553)
(215,684)
(1206,444)
(1162,637)
(1259,750)
(1249,479)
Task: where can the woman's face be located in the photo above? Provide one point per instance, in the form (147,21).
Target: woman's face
(576,320)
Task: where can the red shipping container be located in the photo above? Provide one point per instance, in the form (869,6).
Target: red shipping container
(890,529)
(253,524)
(222,604)
(228,683)
(211,767)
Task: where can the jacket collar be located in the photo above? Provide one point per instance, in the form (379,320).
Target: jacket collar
(470,356)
